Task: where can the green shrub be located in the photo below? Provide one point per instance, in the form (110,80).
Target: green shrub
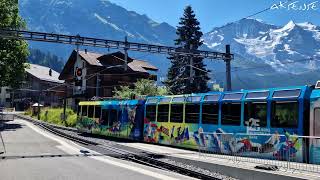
(53,115)
(28,112)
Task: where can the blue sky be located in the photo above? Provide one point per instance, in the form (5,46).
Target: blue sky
(213,13)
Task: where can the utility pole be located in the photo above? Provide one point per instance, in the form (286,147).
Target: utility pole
(65,103)
(228,68)
(98,85)
(126,53)
(12,98)
(39,99)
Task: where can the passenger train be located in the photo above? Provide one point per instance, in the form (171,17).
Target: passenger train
(275,123)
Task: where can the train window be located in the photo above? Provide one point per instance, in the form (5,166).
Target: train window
(193,98)
(234,96)
(105,117)
(231,114)
(151,112)
(165,100)
(97,111)
(78,110)
(113,118)
(318,85)
(257,95)
(192,113)
(286,94)
(178,99)
(84,110)
(211,98)
(176,114)
(210,113)
(163,113)
(90,111)
(152,101)
(285,114)
(257,111)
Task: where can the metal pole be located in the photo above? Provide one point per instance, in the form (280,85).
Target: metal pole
(39,99)
(12,99)
(228,68)
(98,85)
(126,53)
(65,104)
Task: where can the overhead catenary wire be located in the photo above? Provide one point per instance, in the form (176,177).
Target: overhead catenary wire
(254,14)
(237,69)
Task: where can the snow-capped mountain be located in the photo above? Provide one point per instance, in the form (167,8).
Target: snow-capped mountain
(263,52)
(94,18)
(293,48)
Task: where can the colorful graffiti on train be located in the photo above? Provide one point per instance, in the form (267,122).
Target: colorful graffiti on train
(170,133)
(274,146)
(124,126)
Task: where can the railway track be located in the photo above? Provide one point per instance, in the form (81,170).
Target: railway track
(119,153)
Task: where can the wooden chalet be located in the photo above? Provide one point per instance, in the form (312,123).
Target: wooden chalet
(92,74)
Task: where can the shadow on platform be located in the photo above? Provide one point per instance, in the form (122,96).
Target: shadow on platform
(5,126)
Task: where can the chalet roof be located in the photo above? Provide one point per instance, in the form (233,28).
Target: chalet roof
(141,66)
(42,73)
(97,59)
(91,58)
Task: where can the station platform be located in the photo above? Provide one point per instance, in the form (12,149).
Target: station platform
(236,167)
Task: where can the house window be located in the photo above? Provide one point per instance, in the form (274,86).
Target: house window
(107,92)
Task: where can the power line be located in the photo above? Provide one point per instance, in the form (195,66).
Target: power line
(254,14)
(237,69)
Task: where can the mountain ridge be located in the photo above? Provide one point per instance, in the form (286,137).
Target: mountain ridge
(281,50)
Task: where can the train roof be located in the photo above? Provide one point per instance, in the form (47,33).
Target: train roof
(280,93)
(111,103)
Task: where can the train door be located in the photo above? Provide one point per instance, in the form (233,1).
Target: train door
(314,128)
(316,122)
(105,117)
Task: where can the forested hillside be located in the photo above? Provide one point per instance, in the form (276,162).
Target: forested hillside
(45,59)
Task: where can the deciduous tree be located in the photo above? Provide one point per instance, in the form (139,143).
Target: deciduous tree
(13,53)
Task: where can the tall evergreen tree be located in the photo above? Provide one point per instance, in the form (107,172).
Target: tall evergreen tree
(189,39)
(13,53)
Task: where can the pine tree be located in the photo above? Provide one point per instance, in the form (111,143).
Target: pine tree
(189,40)
(13,53)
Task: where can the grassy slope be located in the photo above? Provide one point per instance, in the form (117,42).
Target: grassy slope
(53,116)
